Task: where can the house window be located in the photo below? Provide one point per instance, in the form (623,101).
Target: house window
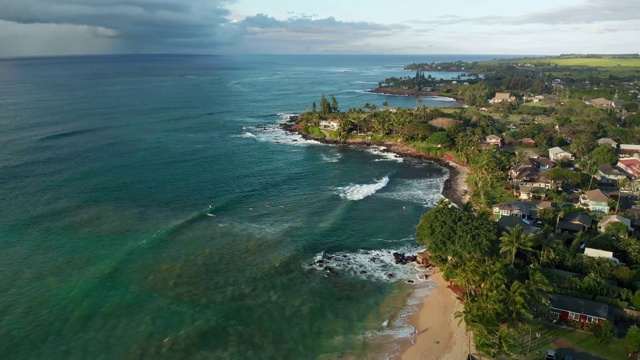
(591,319)
(574,316)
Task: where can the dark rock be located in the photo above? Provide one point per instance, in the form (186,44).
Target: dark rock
(390,276)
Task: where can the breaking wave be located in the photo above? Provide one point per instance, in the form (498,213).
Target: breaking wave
(274,134)
(355,192)
(247,135)
(383,154)
(374,265)
(426,192)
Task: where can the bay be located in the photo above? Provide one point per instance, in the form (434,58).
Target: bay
(151,208)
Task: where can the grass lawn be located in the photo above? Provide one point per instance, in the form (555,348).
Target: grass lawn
(593,62)
(538,104)
(582,346)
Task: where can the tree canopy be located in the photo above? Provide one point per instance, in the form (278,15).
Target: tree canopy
(448,231)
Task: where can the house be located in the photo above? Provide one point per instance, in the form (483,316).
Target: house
(575,222)
(494,140)
(556,154)
(530,154)
(542,163)
(569,308)
(422,258)
(534,99)
(601,103)
(516,208)
(510,222)
(527,174)
(502,97)
(607,141)
(609,175)
(530,192)
(595,201)
(609,219)
(596,253)
(631,166)
(528,142)
(332,124)
(629,149)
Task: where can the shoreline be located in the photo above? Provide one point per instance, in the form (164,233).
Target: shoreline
(439,336)
(455,187)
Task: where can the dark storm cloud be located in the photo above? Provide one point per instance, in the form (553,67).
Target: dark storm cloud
(327,27)
(138,24)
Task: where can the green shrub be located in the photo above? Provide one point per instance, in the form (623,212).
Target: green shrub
(635,300)
(604,332)
(314,131)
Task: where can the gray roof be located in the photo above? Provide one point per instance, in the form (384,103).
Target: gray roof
(565,225)
(607,141)
(580,306)
(509,222)
(556,150)
(579,218)
(596,195)
(607,169)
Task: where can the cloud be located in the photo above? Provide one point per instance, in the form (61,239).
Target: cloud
(313,35)
(600,30)
(586,12)
(133,25)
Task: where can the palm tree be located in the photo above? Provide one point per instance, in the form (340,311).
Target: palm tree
(514,240)
(472,319)
(547,242)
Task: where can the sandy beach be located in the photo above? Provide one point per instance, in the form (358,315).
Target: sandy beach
(439,336)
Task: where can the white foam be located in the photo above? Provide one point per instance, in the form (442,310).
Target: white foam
(384,155)
(246,135)
(441,98)
(426,192)
(276,135)
(332,158)
(355,192)
(374,265)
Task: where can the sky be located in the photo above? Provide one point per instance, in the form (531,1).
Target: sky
(541,27)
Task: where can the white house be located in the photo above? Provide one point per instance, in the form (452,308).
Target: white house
(595,253)
(332,124)
(502,97)
(556,154)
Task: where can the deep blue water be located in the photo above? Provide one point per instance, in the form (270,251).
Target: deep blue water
(151,209)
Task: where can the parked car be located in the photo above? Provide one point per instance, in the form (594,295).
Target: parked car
(551,355)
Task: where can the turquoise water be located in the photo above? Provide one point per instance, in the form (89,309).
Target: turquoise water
(151,208)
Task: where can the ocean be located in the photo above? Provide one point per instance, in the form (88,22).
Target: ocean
(151,208)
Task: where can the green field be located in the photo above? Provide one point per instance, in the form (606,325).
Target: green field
(566,66)
(591,62)
(571,342)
